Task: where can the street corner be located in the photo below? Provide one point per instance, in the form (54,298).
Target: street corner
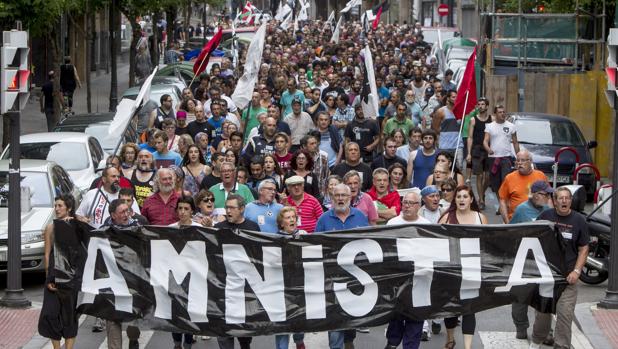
(600,326)
(18,326)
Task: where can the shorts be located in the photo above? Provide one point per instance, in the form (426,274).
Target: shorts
(480,160)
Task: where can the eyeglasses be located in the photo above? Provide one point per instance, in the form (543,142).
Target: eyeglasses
(410,203)
(231,207)
(208,200)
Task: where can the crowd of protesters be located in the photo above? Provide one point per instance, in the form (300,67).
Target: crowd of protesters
(304,157)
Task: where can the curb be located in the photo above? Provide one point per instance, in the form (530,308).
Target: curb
(583,316)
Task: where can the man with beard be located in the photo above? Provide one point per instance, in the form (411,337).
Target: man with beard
(214,177)
(160,207)
(314,105)
(414,109)
(422,161)
(142,176)
(447,127)
(400,121)
(353,162)
(300,123)
(341,217)
(263,143)
(387,202)
(94,206)
(365,132)
(164,157)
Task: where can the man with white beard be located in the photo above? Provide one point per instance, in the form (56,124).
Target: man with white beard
(160,207)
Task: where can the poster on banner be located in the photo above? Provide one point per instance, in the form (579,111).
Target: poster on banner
(243,283)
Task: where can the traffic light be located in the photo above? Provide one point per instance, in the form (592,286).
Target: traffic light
(14,71)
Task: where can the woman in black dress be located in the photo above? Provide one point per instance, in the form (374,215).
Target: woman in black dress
(58,318)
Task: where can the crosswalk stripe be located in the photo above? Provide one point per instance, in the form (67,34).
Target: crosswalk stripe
(144,339)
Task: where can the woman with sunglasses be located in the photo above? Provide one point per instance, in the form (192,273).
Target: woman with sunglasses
(205,202)
(447,189)
(463,210)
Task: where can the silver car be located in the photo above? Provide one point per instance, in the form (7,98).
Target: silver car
(46,180)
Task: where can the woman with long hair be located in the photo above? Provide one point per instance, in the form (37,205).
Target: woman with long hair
(272,170)
(447,189)
(58,318)
(302,165)
(397,176)
(188,106)
(223,142)
(195,168)
(128,157)
(399,137)
(463,210)
(180,181)
(331,108)
(231,156)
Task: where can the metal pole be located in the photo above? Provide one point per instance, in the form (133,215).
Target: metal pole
(611,294)
(14,293)
(113,92)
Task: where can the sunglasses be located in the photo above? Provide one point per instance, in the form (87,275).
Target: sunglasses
(208,200)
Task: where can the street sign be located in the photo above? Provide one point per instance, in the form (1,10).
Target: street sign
(443,10)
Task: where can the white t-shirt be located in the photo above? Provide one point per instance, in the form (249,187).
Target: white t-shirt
(176,225)
(500,138)
(399,220)
(95,204)
(431,216)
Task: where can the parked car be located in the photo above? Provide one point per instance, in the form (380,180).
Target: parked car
(156,91)
(97,125)
(459,53)
(81,155)
(544,134)
(46,180)
(184,70)
(168,80)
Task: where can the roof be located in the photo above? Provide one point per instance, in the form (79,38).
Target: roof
(54,137)
(539,116)
(27,165)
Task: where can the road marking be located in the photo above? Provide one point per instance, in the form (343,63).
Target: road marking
(579,339)
(501,340)
(314,340)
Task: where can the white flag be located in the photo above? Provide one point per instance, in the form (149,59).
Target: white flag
(286,22)
(331,18)
(282,12)
(302,14)
(244,88)
(369,93)
(351,4)
(335,37)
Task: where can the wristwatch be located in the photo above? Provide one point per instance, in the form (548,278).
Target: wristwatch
(577,271)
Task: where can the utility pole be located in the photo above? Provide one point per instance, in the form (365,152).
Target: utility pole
(14,93)
(113,92)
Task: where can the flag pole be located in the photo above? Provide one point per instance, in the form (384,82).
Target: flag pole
(463,119)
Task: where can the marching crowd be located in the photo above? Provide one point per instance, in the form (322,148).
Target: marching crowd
(303,158)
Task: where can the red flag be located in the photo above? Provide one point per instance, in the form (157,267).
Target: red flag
(202,60)
(374,26)
(466,89)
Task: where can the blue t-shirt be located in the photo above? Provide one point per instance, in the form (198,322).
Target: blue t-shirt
(217,125)
(526,212)
(329,221)
(167,160)
(264,215)
(383,93)
(325,146)
(287,98)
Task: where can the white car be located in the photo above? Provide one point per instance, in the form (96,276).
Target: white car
(46,180)
(79,154)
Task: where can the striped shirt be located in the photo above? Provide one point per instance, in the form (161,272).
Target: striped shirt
(449,131)
(309,211)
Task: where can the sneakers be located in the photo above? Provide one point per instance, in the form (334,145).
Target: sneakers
(425,336)
(363,330)
(522,334)
(205,338)
(99,325)
(549,340)
(435,327)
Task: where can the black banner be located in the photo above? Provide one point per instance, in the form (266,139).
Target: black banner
(241,283)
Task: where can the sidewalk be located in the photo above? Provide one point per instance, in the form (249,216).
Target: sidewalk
(599,325)
(17,326)
(32,120)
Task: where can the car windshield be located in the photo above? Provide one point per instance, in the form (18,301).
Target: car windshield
(72,156)
(548,132)
(100,132)
(39,188)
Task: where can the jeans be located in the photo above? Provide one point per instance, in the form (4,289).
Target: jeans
(335,339)
(565,311)
(519,312)
(406,330)
(282,340)
(177,337)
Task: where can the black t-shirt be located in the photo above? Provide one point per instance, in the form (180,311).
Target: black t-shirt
(246,224)
(195,127)
(573,230)
(332,91)
(209,181)
(48,92)
(362,133)
(382,161)
(363,169)
(182,131)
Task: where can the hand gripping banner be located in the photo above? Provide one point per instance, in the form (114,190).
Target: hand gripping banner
(242,283)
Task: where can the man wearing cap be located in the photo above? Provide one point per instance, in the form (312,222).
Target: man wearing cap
(300,123)
(431,209)
(528,211)
(308,207)
(516,186)
(290,95)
